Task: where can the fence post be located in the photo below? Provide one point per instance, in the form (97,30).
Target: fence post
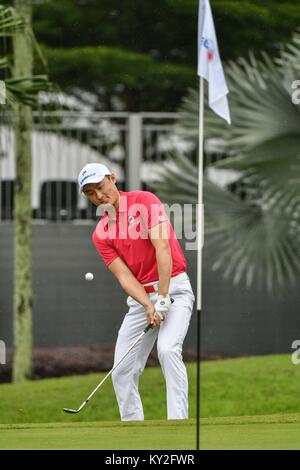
(2,352)
(2,101)
(134,153)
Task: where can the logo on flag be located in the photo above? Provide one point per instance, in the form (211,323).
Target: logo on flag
(209,45)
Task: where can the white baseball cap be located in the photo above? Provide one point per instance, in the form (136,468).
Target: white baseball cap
(92,173)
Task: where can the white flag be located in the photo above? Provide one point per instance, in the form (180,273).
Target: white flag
(209,62)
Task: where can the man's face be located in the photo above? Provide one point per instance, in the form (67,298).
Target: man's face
(103,193)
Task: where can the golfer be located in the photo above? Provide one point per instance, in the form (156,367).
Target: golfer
(137,243)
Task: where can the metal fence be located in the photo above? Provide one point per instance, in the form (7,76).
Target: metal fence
(132,145)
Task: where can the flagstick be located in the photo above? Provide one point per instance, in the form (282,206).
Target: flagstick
(200,237)
(209,65)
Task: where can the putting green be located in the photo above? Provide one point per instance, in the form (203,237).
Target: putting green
(156,435)
(279,432)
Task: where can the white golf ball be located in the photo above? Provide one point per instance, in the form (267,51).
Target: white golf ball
(89,276)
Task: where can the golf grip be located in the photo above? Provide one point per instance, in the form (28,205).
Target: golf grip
(148,327)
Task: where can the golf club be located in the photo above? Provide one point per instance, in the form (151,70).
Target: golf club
(70,410)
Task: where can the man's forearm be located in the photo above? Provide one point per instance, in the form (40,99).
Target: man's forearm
(164,267)
(134,289)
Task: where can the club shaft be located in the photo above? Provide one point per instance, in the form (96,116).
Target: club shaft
(114,367)
(148,327)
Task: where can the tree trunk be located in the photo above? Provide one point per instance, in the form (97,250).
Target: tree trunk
(23,65)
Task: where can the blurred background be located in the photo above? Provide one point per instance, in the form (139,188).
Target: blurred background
(115,82)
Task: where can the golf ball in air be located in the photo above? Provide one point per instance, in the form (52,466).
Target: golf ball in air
(89,276)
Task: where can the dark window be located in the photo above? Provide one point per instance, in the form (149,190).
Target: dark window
(59,200)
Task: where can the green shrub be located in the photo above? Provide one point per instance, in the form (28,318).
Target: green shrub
(137,80)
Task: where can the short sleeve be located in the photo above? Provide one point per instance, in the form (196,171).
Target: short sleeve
(105,250)
(153,211)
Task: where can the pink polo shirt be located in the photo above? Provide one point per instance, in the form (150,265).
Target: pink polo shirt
(125,235)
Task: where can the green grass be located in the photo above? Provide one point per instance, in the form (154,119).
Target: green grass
(147,435)
(270,432)
(265,388)
(234,387)
(280,432)
(250,386)
(42,401)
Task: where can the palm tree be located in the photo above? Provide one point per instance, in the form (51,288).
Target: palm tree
(254,223)
(22,89)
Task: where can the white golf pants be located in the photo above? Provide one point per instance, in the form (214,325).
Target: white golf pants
(170,336)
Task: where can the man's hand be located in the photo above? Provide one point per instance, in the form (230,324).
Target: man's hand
(162,306)
(152,317)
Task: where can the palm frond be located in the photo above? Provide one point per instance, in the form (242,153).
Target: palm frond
(10,22)
(25,90)
(276,161)
(251,241)
(254,225)
(4,63)
(254,239)
(177,180)
(260,103)
(290,53)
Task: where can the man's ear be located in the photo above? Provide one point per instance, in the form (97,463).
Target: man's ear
(112,178)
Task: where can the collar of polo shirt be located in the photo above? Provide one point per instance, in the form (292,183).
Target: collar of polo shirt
(122,206)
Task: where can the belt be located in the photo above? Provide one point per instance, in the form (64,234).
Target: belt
(153,286)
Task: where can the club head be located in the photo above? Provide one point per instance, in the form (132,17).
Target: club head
(68,410)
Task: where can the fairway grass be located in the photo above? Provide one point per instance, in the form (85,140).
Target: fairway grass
(253,386)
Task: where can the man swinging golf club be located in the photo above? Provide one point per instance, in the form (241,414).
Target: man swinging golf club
(137,243)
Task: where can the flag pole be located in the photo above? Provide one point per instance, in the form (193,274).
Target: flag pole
(209,68)
(200,240)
